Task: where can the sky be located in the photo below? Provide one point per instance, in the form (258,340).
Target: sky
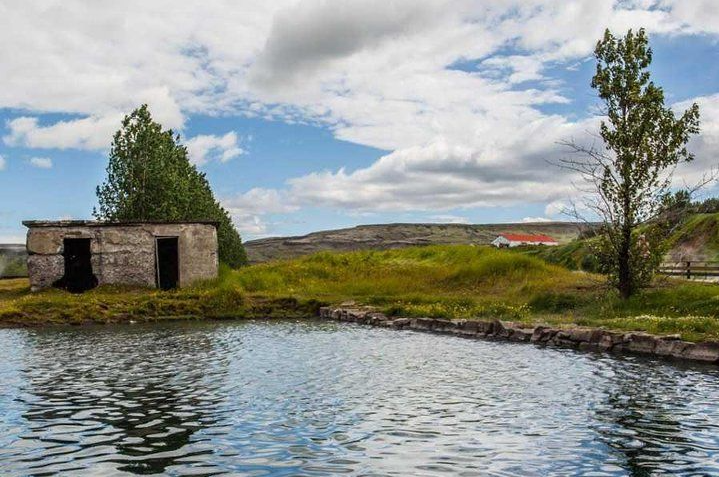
(309,115)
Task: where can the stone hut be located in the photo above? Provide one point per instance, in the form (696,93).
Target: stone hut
(79,254)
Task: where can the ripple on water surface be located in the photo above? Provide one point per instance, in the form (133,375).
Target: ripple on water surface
(288,398)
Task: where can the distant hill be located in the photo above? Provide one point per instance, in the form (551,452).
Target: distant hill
(697,238)
(12,260)
(387,236)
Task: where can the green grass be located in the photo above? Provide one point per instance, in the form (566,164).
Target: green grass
(453,281)
(463,281)
(110,304)
(416,274)
(576,255)
(13,266)
(698,236)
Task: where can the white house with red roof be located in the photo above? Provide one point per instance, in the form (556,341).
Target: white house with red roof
(515,240)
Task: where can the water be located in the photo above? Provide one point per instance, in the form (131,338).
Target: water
(298,398)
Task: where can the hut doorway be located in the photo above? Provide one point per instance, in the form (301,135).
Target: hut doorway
(78,266)
(168,270)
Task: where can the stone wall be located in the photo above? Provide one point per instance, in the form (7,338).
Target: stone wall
(579,338)
(121,254)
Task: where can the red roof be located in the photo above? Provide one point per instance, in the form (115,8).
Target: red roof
(528,238)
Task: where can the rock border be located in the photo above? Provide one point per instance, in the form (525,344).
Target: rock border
(591,339)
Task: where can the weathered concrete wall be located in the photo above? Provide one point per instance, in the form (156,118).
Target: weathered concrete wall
(122,254)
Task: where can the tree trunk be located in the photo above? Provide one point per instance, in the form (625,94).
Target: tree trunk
(624,274)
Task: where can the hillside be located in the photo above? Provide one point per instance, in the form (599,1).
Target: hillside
(12,260)
(697,238)
(392,236)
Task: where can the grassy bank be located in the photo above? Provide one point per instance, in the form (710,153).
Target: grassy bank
(483,282)
(19,307)
(438,281)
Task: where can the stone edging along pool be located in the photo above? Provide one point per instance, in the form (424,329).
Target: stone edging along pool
(578,338)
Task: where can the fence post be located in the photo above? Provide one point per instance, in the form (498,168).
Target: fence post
(689,270)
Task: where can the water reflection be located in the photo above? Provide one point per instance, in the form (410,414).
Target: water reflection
(657,425)
(288,398)
(131,397)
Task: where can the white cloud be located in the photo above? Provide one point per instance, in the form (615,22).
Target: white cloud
(377,73)
(556,208)
(41,162)
(312,34)
(249,209)
(203,148)
(697,16)
(259,200)
(449,219)
(532,220)
(3,163)
(86,133)
(92,132)
(705,145)
(250,226)
(12,239)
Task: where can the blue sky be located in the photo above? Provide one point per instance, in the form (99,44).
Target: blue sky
(308,115)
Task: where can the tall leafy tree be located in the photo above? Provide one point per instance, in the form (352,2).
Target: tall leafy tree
(643,141)
(149,177)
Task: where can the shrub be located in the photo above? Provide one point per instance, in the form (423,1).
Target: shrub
(554,302)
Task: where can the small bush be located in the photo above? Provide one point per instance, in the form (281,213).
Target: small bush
(554,302)
(494,267)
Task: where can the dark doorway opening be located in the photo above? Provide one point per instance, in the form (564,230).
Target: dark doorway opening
(167,263)
(78,266)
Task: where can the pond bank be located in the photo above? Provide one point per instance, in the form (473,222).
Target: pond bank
(109,305)
(592,339)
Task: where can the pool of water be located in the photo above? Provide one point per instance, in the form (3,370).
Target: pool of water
(317,398)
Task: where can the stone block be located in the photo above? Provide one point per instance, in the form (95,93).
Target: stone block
(421,324)
(610,341)
(485,327)
(543,334)
(47,242)
(44,270)
(674,348)
(639,343)
(400,323)
(707,352)
(442,325)
(521,334)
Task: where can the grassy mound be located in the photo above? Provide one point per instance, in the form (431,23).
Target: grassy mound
(413,274)
(697,238)
(577,255)
(461,281)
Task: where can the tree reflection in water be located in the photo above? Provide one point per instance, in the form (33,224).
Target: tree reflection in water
(286,398)
(644,420)
(126,404)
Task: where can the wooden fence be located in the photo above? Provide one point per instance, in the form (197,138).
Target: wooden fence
(690,269)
